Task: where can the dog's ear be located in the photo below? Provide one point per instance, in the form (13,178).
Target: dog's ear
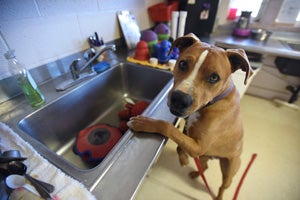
(239,60)
(184,42)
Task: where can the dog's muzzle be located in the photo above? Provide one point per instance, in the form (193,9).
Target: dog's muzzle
(180,102)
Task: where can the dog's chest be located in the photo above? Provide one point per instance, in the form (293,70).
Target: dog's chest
(192,119)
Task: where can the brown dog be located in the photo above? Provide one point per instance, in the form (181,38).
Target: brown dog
(203,91)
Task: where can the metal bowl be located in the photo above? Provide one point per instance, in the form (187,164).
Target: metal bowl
(260,34)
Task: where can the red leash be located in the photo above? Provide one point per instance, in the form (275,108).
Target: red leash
(244,175)
(200,170)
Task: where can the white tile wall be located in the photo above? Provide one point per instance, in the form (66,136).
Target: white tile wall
(42,31)
(66,7)
(40,40)
(104,23)
(16,9)
(121,4)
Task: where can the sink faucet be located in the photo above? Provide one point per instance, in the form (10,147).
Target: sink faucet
(76,69)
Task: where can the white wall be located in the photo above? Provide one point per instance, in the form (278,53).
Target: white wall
(42,31)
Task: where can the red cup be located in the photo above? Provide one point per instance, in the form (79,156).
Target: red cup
(232,14)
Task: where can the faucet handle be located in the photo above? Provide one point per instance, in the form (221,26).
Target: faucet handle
(75,67)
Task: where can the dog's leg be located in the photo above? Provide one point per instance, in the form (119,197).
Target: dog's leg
(229,167)
(203,160)
(183,157)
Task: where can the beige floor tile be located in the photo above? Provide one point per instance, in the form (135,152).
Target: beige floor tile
(271,132)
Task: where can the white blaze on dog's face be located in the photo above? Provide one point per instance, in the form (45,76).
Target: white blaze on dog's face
(201,73)
(187,83)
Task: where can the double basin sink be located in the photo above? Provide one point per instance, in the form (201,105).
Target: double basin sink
(53,128)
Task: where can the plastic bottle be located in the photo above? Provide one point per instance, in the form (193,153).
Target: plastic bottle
(25,80)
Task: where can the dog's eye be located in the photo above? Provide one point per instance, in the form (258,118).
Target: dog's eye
(213,78)
(183,65)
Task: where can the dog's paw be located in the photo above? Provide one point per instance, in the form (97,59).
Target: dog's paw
(145,124)
(194,174)
(139,123)
(183,159)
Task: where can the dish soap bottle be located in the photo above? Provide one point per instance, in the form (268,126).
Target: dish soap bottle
(24,80)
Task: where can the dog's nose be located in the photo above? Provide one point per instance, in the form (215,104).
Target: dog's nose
(180,100)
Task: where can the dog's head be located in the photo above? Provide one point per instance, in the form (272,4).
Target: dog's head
(201,73)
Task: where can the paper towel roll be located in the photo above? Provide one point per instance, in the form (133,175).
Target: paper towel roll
(174,24)
(182,19)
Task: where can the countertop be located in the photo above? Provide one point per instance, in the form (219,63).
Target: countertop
(276,45)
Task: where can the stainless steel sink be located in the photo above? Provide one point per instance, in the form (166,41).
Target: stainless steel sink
(98,100)
(293,45)
(290,40)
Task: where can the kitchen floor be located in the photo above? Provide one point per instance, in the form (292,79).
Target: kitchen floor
(272,132)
